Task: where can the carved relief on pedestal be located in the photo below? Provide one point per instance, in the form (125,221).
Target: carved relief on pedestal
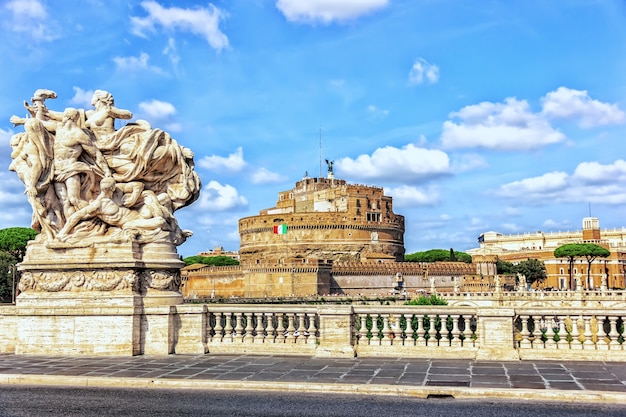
(161,280)
(100,280)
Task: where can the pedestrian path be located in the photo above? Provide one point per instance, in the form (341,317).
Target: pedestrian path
(547,380)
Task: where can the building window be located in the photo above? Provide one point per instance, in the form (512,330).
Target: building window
(373,217)
(561,271)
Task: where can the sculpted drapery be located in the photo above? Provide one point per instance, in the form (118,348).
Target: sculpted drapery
(88,182)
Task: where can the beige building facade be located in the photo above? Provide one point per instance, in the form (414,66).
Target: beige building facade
(541,245)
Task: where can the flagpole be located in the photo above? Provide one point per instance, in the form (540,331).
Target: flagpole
(320,151)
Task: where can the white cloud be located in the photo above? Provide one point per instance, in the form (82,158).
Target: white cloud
(511,227)
(171,51)
(218,197)
(468,162)
(502,126)
(542,185)
(156,109)
(408,196)
(233,162)
(553,224)
(140,63)
(376,112)
(596,173)
(475,223)
(512,211)
(567,103)
(82,97)
(30,18)
(393,164)
(590,182)
(264,176)
(200,21)
(326,11)
(423,71)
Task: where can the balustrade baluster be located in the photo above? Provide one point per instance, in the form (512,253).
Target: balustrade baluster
(421,332)
(588,342)
(239,327)
(563,343)
(549,335)
(248,336)
(613,334)
(228,327)
(602,343)
(210,328)
(408,340)
(219,327)
(537,342)
(312,329)
(456,340)
(396,329)
(300,329)
(259,330)
(271,331)
(289,337)
(362,334)
(386,339)
(576,345)
(524,343)
(464,331)
(280,328)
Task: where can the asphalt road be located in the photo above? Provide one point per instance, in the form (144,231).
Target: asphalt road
(29,401)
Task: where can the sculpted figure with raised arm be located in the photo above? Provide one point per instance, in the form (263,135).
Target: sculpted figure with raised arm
(89,182)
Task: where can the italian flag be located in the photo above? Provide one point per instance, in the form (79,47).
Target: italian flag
(280,229)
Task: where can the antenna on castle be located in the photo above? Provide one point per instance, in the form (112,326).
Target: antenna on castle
(320,151)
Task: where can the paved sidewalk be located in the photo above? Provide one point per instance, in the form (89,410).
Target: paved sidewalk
(547,380)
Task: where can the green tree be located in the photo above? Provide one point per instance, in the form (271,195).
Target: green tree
(211,260)
(438,255)
(533,269)
(504,267)
(589,251)
(14,240)
(7,263)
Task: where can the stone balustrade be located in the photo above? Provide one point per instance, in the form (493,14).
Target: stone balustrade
(348,330)
(596,334)
(263,329)
(415,331)
(583,298)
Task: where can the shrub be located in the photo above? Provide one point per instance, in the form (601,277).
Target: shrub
(425,300)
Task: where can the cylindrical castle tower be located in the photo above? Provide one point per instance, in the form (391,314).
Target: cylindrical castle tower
(324,218)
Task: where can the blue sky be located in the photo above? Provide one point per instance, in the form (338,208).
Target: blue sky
(474,116)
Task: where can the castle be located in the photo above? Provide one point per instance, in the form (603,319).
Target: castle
(324,236)
(325,218)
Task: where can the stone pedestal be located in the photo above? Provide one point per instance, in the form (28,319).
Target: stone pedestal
(101,299)
(495,334)
(335,332)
